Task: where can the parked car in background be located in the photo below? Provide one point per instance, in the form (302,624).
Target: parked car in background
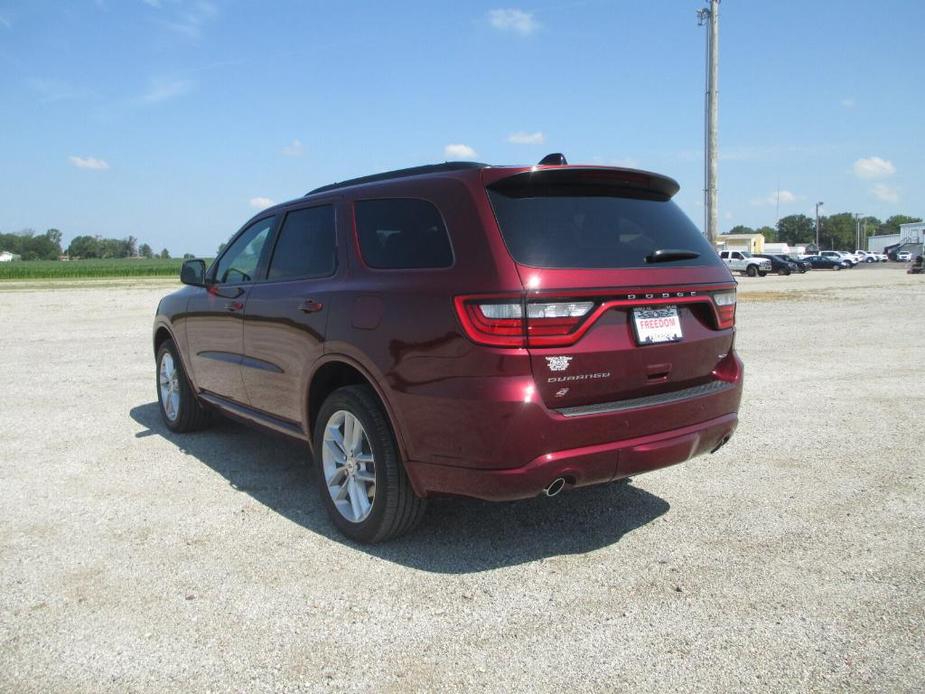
(780,264)
(867,257)
(844,258)
(824,262)
(745,263)
(802,263)
(904,256)
(498,332)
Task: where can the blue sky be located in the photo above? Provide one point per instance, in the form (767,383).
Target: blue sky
(174,120)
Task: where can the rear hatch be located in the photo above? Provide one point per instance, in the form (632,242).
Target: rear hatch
(624,298)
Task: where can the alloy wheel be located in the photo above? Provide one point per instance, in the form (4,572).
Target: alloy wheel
(169,383)
(348,466)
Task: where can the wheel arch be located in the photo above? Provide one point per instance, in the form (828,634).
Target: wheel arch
(161,335)
(335,371)
(163,332)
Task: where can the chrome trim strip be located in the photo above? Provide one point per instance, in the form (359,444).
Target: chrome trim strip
(710,388)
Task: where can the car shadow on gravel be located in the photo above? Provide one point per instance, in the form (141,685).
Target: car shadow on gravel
(457,536)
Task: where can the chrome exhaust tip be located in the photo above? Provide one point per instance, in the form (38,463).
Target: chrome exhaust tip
(556,486)
(722,443)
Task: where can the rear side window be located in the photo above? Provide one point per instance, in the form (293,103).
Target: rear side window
(402,233)
(574,226)
(306,245)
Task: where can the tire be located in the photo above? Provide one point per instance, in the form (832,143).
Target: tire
(394,508)
(751,271)
(836,267)
(179,406)
(762,273)
(785,271)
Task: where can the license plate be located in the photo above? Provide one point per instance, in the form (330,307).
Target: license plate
(656,324)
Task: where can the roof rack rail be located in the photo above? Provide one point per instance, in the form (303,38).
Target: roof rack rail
(401,173)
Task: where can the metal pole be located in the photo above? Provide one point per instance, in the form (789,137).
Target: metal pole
(712,120)
(818,205)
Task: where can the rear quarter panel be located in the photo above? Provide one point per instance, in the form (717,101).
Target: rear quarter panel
(401,326)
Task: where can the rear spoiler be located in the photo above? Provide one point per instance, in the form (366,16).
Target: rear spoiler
(584,180)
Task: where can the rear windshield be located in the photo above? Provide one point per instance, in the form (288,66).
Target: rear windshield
(552,226)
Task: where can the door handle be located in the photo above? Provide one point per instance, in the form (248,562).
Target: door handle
(233,306)
(311,306)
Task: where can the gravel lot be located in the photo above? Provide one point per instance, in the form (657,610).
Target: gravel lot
(132,559)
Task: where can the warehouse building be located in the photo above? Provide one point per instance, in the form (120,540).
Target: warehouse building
(909,238)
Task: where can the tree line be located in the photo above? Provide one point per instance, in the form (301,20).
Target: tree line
(47,246)
(32,246)
(837,231)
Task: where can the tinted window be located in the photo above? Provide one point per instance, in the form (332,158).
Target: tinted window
(402,233)
(554,226)
(239,262)
(305,247)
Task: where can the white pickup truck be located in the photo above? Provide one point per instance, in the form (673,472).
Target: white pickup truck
(746,263)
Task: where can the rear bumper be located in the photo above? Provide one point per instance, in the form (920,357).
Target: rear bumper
(583,466)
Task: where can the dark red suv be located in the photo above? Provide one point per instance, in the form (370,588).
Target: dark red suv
(488,331)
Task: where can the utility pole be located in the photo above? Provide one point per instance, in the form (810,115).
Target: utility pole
(818,205)
(857,223)
(711,18)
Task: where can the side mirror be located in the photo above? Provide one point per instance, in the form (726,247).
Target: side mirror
(193,272)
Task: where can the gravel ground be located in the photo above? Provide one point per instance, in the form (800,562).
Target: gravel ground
(132,559)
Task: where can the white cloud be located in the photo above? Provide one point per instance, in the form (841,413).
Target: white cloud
(784,196)
(261,203)
(884,192)
(848,102)
(163,91)
(189,17)
(524,138)
(518,21)
(88,163)
(293,149)
(728,215)
(459,152)
(873,167)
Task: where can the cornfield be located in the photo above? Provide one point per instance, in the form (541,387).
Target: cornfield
(110,267)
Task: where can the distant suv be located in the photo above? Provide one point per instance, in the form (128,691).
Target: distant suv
(846,259)
(493,332)
(781,264)
(745,263)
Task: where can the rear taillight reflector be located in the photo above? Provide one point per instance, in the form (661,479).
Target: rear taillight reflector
(725,302)
(500,322)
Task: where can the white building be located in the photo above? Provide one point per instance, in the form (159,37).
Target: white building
(908,233)
(7,257)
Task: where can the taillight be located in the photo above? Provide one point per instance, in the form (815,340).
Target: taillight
(500,321)
(491,321)
(554,319)
(725,302)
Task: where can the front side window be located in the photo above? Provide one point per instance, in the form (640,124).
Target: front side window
(402,233)
(239,263)
(306,245)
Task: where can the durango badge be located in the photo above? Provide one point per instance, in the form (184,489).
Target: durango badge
(558,363)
